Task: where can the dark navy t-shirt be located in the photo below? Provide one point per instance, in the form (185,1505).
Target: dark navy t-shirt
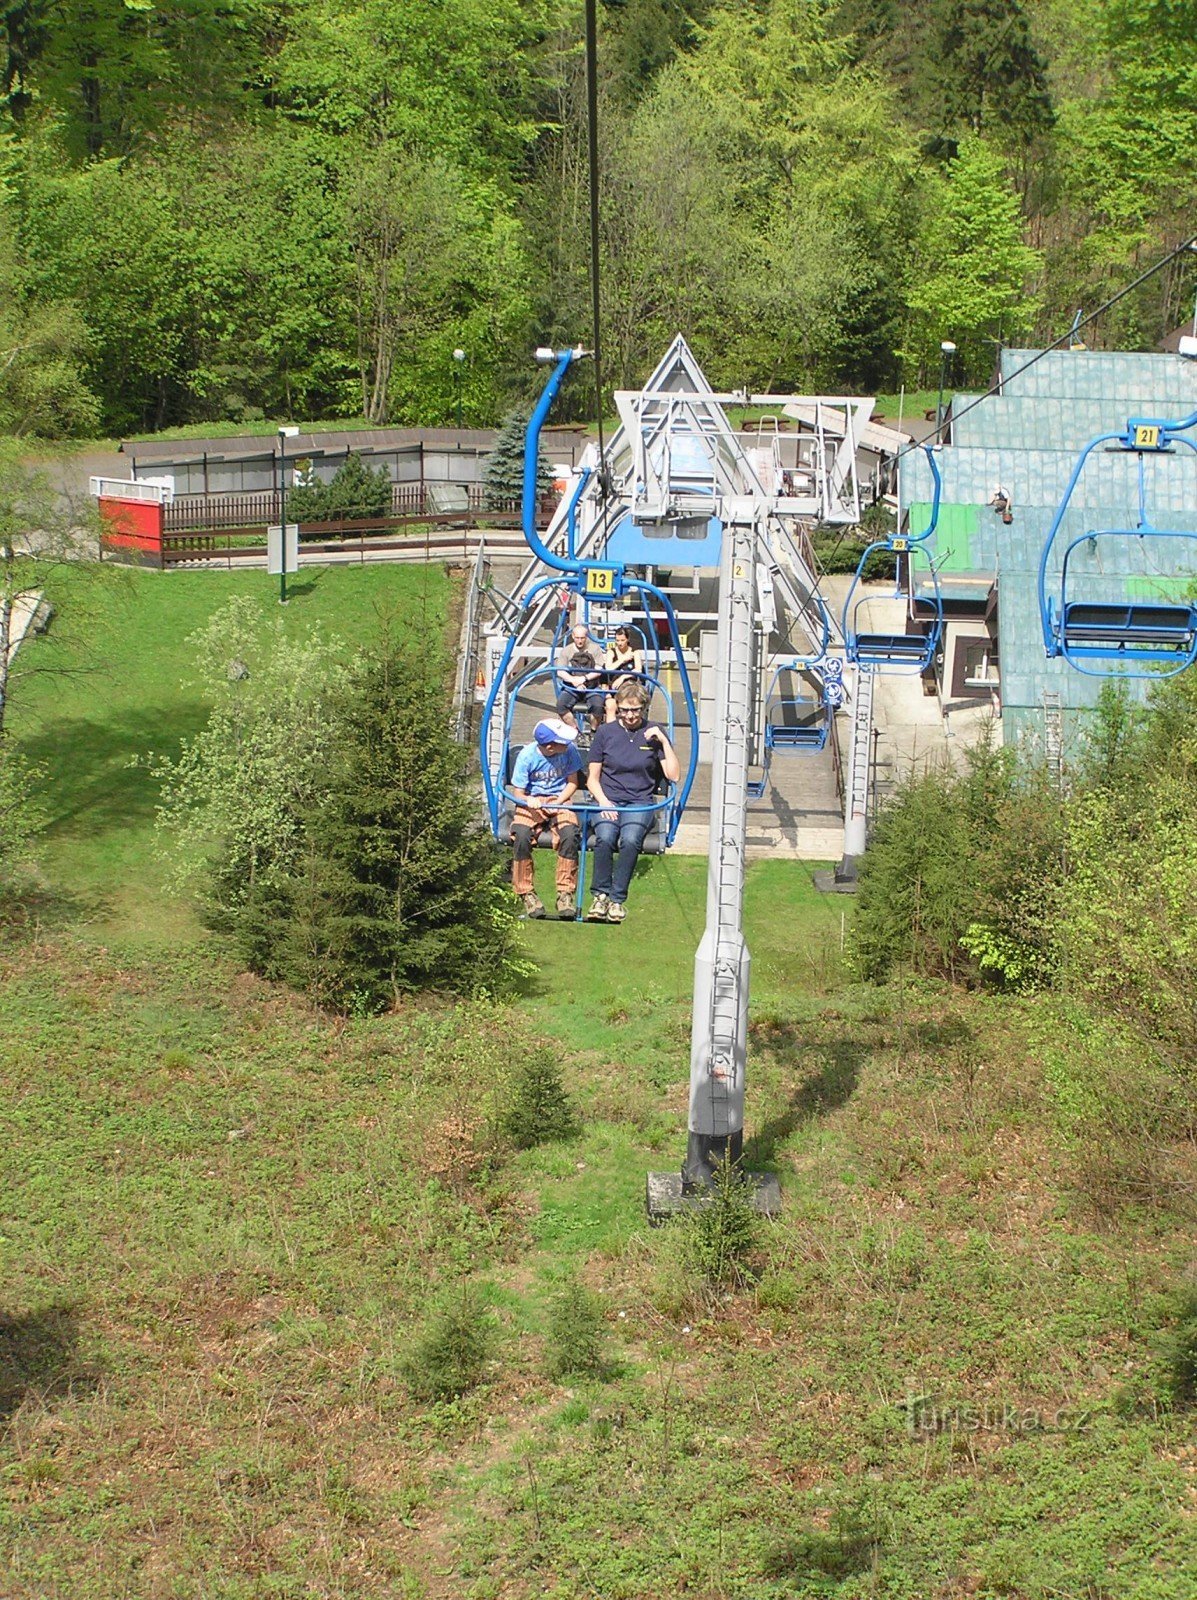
(631,763)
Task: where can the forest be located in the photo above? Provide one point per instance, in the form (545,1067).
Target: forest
(223,210)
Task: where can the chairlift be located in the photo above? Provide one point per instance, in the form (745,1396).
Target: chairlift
(901,652)
(797,724)
(1091,617)
(667,811)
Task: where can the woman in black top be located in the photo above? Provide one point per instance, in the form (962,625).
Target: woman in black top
(624,664)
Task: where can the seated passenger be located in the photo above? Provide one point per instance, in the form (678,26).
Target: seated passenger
(544,781)
(579,674)
(627,759)
(624,663)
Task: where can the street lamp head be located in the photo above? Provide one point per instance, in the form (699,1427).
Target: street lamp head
(288,433)
(947,347)
(459,355)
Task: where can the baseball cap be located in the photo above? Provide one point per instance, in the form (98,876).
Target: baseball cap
(553,731)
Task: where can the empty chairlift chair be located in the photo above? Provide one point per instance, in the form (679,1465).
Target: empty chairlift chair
(1112,600)
(911,652)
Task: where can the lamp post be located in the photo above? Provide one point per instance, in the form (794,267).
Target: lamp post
(458,358)
(283,435)
(946,351)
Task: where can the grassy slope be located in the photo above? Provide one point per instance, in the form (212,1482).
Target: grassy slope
(225,1215)
(126,697)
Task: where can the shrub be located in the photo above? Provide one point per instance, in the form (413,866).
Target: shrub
(399,886)
(355,490)
(450,1355)
(538,1108)
(327,818)
(1178,1351)
(719,1235)
(577,1334)
(22,816)
(962,875)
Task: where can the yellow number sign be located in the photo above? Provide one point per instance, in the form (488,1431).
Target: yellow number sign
(1147,436)
(600,580)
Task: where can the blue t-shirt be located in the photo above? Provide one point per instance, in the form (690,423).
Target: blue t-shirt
(631,763)
(541,776)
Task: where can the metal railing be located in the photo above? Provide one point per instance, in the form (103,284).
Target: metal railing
(219,513)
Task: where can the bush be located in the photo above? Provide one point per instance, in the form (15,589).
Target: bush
(326,817)
(962,874)
(577,1334)
(354,491)
(538,1108)
(719,1235)
(22,816)
(398,886)
(1178,1351)
(451,1354)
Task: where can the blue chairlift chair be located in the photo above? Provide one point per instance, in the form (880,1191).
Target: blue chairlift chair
(910,652)
(1091,618)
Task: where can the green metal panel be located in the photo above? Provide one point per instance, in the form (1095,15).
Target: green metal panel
(954,533)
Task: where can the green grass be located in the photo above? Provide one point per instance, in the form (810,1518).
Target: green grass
(941,1372)
(627,988)
(125,697)
(914,403)
(226,1216)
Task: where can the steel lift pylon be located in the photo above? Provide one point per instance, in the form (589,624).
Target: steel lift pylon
(677,487)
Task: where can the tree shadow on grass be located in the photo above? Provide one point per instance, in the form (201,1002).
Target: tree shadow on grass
(830,1087)
(39,1358)
(97,780)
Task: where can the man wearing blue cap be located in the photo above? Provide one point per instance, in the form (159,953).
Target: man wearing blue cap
(544,781)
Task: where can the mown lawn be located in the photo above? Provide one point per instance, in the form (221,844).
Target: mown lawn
(101,708)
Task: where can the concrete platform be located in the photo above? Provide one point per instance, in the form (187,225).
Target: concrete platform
(663,1197)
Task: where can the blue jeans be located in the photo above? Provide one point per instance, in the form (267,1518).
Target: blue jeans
(612,876)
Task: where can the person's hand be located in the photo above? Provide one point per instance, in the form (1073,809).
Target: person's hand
(654,736)
(608,816)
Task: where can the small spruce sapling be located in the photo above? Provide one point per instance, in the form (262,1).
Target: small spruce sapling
(538,1108)
(577,1340)
(450,1355)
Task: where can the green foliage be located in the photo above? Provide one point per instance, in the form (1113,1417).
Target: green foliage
(719,1236)
(985,68)
(975,270)
(328,817)
(1178,1351)
(577,1337)
(960,876)
(235,803)
(355,490)
(537,1108)
(22,816)
(450,1356)
(503,475)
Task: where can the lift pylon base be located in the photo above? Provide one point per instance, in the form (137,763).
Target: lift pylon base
(664,1196)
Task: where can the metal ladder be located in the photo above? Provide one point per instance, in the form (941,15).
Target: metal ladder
(856,787)
(1053,734)
(719,1037)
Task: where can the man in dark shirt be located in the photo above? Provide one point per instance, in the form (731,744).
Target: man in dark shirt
(627,757)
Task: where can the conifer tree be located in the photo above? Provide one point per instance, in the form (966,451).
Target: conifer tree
(503,476)
(398,887)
